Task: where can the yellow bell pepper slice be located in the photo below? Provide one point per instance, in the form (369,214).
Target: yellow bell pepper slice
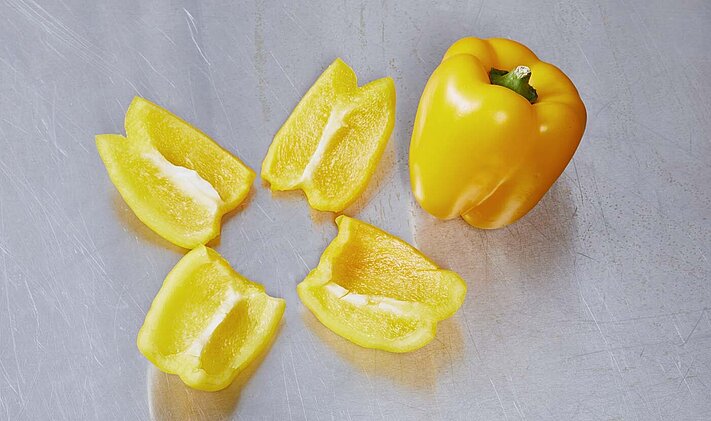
(330,145)
(494,129)
(178,181)
(207,322)
(377,291)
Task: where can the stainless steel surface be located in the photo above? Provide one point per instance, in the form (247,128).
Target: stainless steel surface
(593,307)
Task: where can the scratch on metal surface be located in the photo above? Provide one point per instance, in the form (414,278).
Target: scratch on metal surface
(193,31)
(50,128)
(577,178)
(701,316)
(372,390)
(37,15)
(157,29)
(286,75)
(499,398)
(286,388)
(509,380)
(53,26)
(418,408)
(586,256)
(518,410)
(90,240)
(192,94)
(587,60)
(686,374)
(244,233)
(678,332)
(297,254)
(54,49)
(582,15)
(478,13)
(14,70)
(293,19)
(48,220)
(298,386)
(261,209)
(18,388)
(670,141)
(170,82)
(604,107)
(604,302)
(597,325)
(7,378)
(73,231)
(20,376)
(35,311)
(14,126)
(222,107)
(621,348)
(4,406)
(24,185)
(134,87)
(118,307)
(615,364)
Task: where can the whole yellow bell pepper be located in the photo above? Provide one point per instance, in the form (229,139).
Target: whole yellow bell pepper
(494,129)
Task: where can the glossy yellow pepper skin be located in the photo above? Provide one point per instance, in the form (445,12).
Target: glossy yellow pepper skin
(483,151)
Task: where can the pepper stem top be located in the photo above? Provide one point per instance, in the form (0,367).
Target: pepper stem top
(516,80)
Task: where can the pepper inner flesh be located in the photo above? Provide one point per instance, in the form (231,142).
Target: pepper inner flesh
(186,179)
(335,123)
(387,304)
(231,300)
(374,265)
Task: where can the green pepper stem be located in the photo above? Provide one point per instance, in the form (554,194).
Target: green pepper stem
(516,80)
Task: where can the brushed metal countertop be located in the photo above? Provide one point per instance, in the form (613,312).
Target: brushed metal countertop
(595,306)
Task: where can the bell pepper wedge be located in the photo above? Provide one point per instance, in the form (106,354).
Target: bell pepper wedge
(331,143)
(377,291)
(495,127)
(207,322)
(177,180)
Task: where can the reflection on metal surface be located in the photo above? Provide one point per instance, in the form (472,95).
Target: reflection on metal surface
(419,370)
(170,399)
(533,244)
